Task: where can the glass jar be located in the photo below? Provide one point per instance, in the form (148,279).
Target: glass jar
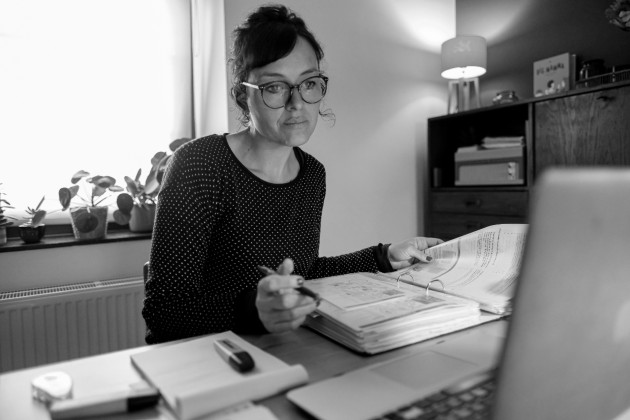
(505,97)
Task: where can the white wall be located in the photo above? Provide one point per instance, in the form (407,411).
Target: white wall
(383,59)
(20,270)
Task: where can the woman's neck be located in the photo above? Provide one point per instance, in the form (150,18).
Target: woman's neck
(271,162)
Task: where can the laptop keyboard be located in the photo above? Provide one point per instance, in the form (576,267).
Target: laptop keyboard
(464,401)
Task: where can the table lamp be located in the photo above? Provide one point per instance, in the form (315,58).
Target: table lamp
(463,61)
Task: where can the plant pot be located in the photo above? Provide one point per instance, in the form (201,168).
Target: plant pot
(142,218)
(32,234)
(3,235)
(89,222)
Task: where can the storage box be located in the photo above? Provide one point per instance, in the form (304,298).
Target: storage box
(504,166)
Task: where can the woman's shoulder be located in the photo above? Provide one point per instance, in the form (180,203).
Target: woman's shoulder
(204,146)
(309,161)
(200,157)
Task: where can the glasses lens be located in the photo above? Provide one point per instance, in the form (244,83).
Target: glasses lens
(313,89)
(276,95)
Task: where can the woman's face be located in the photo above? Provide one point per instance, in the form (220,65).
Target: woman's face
(293,124)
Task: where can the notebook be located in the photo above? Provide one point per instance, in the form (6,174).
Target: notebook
(566,354)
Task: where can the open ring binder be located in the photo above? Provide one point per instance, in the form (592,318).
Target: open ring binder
(429,286)
(406,273)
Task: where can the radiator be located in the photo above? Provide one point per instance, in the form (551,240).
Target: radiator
(60,323)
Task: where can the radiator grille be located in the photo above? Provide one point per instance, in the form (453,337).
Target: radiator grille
(53,324)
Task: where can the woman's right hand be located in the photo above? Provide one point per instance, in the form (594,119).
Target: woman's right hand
(280,306)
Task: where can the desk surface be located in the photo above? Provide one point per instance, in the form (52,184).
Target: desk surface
(321,357)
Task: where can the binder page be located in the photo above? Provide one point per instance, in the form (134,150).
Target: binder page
(482,266)
(353,291)
(382,303)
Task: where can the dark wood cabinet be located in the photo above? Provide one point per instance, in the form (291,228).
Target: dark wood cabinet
(581,127)
(588,129)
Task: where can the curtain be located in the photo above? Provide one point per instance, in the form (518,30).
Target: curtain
(209,68)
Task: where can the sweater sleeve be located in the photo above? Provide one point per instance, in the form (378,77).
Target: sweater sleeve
(181,297)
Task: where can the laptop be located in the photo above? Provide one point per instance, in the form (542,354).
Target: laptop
(566,352)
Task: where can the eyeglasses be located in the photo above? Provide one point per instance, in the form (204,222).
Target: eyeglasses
(277,94)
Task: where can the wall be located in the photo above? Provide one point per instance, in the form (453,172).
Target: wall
(20,270)
(520,32)
(383,60)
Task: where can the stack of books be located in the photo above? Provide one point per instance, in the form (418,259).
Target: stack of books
(497,161)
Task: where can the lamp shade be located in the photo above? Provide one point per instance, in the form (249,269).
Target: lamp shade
(464,57)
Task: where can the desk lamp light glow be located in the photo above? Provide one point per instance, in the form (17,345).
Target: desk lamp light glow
(463,60)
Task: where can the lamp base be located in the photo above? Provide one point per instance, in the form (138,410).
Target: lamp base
(460,93)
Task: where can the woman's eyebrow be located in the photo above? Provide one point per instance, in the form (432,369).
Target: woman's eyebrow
(282,76)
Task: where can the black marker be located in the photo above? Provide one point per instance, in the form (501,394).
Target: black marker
(235,356)
(101,405)
(301,289)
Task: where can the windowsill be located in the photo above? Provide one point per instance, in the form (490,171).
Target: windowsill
(61,236)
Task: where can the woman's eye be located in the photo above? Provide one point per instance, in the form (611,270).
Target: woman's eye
(310,84)
(274,88)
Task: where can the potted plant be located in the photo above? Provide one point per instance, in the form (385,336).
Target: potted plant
(4,220)
(33,230)
(137,207)
(89,221)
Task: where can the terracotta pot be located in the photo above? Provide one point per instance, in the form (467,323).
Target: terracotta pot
(142,218)
(89,222)
(32,235)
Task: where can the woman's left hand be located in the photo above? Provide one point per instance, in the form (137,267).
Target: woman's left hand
(406,253)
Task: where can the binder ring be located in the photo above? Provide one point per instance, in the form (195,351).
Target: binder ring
(406,273)
(429,286)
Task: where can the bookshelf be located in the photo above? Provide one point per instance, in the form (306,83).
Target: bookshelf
(587,126)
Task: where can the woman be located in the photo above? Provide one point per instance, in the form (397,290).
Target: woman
(230,204)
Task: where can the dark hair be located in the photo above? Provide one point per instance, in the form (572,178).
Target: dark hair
(267,35)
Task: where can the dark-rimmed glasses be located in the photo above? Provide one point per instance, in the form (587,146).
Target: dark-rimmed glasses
(277,94)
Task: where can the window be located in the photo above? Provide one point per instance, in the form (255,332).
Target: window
(97,85)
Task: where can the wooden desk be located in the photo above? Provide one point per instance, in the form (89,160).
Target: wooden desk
(321,357)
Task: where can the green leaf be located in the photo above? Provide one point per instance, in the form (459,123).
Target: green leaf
(121,218)
(132,186)
(138,175)
(125,203)
(157,158)
(103,181)
(97,190)
(178,142)
(65,196)
(38,217)
(116,188)
(152,186)
(40,203)
(80,174)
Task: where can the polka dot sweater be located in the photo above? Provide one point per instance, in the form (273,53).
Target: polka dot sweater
(215,223)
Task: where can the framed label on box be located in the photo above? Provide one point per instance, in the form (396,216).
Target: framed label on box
(554,74)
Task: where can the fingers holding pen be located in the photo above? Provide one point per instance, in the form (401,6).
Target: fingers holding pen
(280,306)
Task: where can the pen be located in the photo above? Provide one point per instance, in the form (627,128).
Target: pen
(101,405)
(235,356)
(301,289)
